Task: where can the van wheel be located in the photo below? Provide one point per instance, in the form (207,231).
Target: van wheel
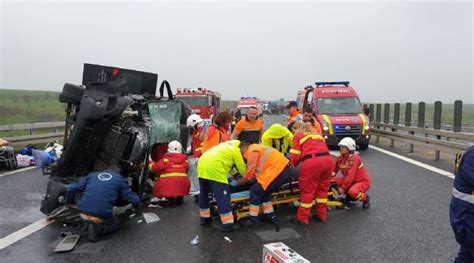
(71,94)
(364,146)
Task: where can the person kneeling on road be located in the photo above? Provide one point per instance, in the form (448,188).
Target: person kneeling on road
(100,192)
(172,175)
(213,168)
(355,181)
(270,168)
(461,210)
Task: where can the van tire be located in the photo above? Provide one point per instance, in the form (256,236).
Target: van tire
(71,94)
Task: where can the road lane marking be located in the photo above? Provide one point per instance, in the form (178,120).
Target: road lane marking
(414,162)
(18,171)
(24,232)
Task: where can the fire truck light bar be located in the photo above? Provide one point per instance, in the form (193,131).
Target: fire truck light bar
(345,83)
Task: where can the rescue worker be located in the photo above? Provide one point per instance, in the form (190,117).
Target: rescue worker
(316,172)
(217,132)
(355,181)
(213,168)
(100,192)
(172,175)
(461,210)
(366,110)
(270,169)
(278,137)
(249,128)
(294,114)
(308,116)
(196,123)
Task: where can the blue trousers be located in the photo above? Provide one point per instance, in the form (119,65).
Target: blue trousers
(221,194)
(109,225)
(258,195)
(466,252)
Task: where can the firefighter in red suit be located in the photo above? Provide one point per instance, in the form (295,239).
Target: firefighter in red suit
(196,123)
(355,181)
(172,175)
(316,172)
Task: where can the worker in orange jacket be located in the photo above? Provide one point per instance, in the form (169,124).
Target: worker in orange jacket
(355,181)
(217,132)
(172,175)
(316,172)
(308,116)
(270,169)
(294,114)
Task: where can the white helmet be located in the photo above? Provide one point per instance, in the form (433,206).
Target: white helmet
(349,143)
(175,147)
(193,119)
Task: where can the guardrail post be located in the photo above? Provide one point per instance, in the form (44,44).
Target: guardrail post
(378,113)
(421,114)
(378,117)
(437,123)
(408,122)
(386,119)
(408,114)
(457,120)
(396,114)
(371,112)
(437,115)
(386,113)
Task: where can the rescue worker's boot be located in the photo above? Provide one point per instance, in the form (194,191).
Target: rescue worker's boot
(270,218)
(205,221)
(92,235)
(255,220)
(366,203)
(179,200)
(296,221)
(227,228)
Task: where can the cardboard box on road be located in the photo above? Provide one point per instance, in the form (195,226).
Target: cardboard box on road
(281,253)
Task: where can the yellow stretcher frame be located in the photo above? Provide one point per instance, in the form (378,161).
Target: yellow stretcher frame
(241,207)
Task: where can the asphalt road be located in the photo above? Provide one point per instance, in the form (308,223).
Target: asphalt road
(408,222)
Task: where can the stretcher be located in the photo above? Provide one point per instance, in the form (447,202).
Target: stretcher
(287,194)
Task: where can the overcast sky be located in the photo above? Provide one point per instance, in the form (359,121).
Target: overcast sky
(391,52)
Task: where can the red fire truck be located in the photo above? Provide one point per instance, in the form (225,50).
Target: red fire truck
(204,102)
(339,112)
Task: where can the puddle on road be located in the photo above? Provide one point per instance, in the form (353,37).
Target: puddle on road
(285,233)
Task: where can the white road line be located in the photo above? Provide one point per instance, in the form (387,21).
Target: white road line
(18,171)
(414,162)
(22,233)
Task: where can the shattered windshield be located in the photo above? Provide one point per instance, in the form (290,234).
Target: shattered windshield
(335,106)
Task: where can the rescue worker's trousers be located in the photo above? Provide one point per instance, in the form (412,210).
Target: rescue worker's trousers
(315,177)
(463,227)
(107,226)
(357,191)
(259,196)
(221,194)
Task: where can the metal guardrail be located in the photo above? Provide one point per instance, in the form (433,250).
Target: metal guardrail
(434,137)
(32,137)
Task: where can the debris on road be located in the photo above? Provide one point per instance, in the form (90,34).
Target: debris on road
(195,240)
(154,206)
(228,239)
(140,221)
(151,217)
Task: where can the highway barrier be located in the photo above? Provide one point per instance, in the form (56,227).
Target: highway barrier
(440,138)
